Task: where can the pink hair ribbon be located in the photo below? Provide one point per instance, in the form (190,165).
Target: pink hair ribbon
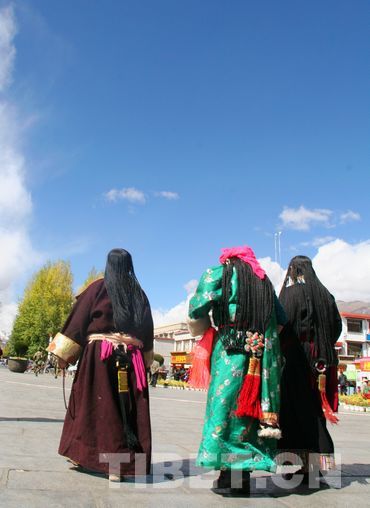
(247,255)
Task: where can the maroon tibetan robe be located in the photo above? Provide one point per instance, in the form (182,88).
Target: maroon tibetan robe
(93,423)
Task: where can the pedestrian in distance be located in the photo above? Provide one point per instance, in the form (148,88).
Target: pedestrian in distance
(342,379)
(154,369)
(366,390)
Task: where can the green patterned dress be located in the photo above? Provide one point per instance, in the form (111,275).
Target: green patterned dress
(230,442)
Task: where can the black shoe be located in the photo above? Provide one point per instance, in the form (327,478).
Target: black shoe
(223,481)
(305,476)
(305,479)
(244,487)
(290,476)
(287,476)
(226,485)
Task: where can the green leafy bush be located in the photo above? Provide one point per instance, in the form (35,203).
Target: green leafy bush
(159,358)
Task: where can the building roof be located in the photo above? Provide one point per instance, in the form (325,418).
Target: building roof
(170,328)
(351,315)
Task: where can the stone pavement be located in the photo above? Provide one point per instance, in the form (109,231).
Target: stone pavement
(33,475)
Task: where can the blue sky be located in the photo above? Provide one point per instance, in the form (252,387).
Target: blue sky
(254,116)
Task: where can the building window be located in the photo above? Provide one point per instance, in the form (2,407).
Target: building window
(354,349)
(354,325)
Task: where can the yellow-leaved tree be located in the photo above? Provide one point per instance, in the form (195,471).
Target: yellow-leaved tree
(92,276)
(46,303)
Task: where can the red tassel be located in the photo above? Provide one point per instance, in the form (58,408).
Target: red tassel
(249,403)
(327,410)
(200,373)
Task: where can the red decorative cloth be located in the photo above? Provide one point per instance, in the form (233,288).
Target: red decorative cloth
(200,374)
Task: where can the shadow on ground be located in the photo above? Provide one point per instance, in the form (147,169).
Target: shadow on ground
(266,486)
(20,419)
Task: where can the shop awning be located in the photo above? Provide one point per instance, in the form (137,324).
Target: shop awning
(363,363)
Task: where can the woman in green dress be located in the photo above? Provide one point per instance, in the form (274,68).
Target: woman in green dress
(242,413)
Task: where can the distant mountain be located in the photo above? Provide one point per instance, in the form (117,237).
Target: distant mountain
(356,307)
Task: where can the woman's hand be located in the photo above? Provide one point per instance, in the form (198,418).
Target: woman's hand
(148,358)
(127,339)
(62,364)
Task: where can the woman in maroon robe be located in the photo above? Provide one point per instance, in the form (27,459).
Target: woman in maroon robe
(111,321)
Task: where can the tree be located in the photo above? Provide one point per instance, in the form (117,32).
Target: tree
(159,358)
(47,301)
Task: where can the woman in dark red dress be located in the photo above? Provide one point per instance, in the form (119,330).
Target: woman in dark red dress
(110,332)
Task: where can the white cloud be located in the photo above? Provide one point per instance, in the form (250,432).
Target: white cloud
(8,312)
(168,195)
(302,218)
(191,286)
(137,196)
(349,216)
(17,254)
(15,200)
(178,313)
(345,269)
(7,50)
(71,247)
(128,194)
(274,272)
(318,241)
(342,267)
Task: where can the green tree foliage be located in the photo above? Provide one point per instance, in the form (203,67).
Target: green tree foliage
(46,303)
(159,358)
(92,276)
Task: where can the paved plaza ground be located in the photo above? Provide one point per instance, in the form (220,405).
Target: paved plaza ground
(32,474)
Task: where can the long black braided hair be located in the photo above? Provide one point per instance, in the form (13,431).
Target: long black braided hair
(311,309)
(129,301)
(255,298)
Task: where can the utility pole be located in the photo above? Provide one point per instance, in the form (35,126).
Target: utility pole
(275,239)
(277,242)
(279,246)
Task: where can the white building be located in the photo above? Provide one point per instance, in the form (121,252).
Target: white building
(354,341)
(353,346)
(173,339)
